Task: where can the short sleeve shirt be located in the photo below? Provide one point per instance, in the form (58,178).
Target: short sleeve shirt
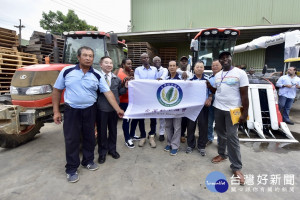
(228,85)
(144,73)
(81,89)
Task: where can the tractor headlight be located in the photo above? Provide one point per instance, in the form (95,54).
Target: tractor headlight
(43,89)
(226,32)
(34,90)
(13,90)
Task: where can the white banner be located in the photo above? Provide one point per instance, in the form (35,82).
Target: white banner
(165,99)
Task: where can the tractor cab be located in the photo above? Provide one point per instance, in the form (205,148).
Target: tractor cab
(209,43)
(103,45)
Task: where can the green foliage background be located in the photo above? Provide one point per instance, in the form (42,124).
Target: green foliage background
(58,22)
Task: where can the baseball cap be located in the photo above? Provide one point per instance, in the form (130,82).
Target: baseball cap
(183,57)
(224,53)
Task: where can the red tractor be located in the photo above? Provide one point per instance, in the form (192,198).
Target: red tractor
(31,86)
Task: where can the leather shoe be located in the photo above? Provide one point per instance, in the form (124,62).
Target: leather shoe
(161,138)
(218,159)
(182,139)
(101,159)
(240,175)
(115,154)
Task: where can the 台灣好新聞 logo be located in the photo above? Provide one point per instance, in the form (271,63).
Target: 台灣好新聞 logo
(169,94)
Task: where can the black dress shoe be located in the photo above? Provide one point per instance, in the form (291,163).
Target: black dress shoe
(161,138)
(101,159)
(115,154)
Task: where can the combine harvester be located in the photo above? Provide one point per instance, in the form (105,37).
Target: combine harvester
(264,116)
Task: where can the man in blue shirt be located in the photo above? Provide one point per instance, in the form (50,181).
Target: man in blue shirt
(145,72)
(81,83)
(215,67)
(288,85)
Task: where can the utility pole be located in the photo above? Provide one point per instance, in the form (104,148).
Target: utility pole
(20,30)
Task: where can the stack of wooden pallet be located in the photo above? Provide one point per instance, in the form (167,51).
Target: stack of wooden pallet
(38,47)
(10,60)
(8,38)
(167,54)
(135,49)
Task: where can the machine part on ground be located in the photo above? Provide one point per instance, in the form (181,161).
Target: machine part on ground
(265,118)
(12,133)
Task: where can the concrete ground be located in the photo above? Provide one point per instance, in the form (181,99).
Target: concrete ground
(36,171)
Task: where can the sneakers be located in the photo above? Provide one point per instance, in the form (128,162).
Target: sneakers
(167,148)
(209,142)
(189,150)
(202,152)
(73,178)
(142,142)
(152,141)
(136,137)
(182,139)
(161,138)
(173,152)
(92,166)
(129,144)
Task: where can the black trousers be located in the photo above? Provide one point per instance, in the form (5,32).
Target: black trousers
(107,140)
(202,121)
(134,123)
(152,126)
(184,122)
(79,122)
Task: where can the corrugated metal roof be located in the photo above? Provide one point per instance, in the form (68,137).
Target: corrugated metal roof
(185,14)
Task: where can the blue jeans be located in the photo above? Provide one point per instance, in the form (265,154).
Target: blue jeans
(134,123)
(211,119)
(126,122)
(285,105)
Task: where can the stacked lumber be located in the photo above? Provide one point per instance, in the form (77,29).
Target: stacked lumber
(167,54)
(10,60)
(8,38)
(38,47)
(136,49)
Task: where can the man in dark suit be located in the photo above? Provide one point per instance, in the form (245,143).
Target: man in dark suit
(107,117)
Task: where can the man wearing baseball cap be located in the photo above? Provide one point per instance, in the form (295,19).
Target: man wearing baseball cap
(231,91)
(185,74)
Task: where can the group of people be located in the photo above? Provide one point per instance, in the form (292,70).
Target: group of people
(100,97)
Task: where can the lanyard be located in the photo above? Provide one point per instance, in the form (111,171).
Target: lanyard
(222,77)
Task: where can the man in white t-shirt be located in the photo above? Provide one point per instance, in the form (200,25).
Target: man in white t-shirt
(231,91)
(162,74)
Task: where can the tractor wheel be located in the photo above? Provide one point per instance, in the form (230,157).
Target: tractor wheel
(14,140)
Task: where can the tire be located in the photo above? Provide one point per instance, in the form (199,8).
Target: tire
(14,140)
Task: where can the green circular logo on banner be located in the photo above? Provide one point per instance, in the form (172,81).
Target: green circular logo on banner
(169,94)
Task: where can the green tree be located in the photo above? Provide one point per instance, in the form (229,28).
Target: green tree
(58,22)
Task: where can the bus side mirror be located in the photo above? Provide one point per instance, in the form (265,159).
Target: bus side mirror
(194,45)
(113,38)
